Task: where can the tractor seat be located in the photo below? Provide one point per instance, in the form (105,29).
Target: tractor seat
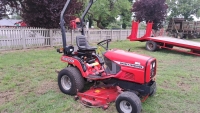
(83,45)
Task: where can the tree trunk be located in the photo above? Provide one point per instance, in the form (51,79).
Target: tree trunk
(99,25)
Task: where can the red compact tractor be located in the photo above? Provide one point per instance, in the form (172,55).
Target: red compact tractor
(124,77)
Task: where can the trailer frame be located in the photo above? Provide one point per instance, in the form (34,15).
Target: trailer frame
(159,42)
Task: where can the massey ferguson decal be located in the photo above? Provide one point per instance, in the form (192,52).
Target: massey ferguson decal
(68,59)
(136,65)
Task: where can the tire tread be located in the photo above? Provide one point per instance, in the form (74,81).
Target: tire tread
(76,77)
(131,96)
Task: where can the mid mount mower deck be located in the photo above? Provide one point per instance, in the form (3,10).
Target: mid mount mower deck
(124,77)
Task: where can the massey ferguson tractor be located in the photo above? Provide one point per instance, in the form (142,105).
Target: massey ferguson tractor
(119,76)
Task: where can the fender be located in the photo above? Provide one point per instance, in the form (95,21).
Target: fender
(75,61)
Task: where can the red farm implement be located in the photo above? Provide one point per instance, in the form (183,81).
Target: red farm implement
(121,76)
(159,42)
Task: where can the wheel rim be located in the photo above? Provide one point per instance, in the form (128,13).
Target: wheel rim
(125,106)
(150,46)
(66,82)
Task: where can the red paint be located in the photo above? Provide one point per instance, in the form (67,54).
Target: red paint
(73,24)
(163,41)
(137,75)
(99,97)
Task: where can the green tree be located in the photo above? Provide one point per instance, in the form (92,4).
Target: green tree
(126,17)
(2,10)
(184,8)
(104,12)
(10,6)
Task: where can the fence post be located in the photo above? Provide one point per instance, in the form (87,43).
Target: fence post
(111,33)
(23,39)
(120,34)
(72,36)
(101,35)
(127,34)
(88,35)
(51,37)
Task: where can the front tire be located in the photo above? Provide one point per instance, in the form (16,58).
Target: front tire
(70,81)
(153,92)
(128,102)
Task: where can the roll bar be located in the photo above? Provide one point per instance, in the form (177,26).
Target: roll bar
(62,21)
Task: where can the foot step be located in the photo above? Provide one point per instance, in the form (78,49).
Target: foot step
(93,76)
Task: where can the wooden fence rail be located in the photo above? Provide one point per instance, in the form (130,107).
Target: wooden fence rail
(22,38)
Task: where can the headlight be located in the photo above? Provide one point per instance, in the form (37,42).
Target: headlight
(153,65)
(152,68)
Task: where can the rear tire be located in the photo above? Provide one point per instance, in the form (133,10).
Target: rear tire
(70,81)
(128,102)
(151,46)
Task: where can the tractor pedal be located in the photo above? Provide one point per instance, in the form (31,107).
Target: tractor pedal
(93,76)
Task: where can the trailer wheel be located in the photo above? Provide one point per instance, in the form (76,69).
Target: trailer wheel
(70,80)
(128,102)
(151,46)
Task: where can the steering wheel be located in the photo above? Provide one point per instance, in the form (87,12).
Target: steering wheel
(102,43)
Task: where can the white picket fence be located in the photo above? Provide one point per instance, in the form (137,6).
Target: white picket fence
(22,38)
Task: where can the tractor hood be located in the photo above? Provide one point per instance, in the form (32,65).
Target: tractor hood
(127,58)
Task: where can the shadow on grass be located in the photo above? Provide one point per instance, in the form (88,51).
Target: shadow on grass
(87,86)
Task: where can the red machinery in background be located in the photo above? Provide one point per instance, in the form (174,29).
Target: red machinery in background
(155,43)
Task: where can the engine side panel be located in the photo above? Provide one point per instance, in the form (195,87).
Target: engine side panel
(127,57)
(133,67)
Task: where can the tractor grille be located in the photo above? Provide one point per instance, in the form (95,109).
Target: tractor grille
(153,69)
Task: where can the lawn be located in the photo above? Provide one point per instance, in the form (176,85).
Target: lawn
(28,82)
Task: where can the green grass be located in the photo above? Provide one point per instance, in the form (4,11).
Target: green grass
(28,82)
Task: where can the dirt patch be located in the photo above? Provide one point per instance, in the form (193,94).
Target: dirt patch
(46,86)
(25,50)
(166,86)
(6,96)
(183,86)
(185,83)
(195,79)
